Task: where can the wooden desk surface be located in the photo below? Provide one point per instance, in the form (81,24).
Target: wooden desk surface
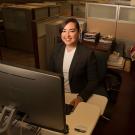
(100,46)
(85,116)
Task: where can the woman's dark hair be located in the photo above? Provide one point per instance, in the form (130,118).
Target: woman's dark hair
(68,21)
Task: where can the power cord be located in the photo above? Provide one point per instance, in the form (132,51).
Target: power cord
(35,130)
(21,127)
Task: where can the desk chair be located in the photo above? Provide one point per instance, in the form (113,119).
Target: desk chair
(109,82)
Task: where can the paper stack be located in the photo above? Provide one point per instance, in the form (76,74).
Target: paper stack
(115,61)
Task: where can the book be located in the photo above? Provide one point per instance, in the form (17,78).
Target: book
(117,64)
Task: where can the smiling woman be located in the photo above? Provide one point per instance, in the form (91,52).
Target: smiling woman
(69,36)
(70,33)
(75,62)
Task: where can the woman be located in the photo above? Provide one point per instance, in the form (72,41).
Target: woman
(76,62)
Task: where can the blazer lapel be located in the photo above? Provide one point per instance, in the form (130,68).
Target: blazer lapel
(60,59)
(74,62)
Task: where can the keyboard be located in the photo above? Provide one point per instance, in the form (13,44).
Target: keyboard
(68,109)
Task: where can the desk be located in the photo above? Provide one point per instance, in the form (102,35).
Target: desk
(85,115)
(105,47)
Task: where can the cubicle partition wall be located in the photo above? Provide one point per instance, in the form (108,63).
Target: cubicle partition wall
(18,21)
(126,23)
(40,32)
(126,27)
(19,1)
(101,18)
(115,20)
(105,27)
(65,8)
(52,30)
(54,10)
(79,9)
(110,19)
(25,28)
(2,34)
(125,31)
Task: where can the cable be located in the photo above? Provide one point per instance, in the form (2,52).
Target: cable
(21,128)
(35,129)
(6,118)
(38,131)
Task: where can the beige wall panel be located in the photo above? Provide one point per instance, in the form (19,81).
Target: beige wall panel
(105,27)
(125,31)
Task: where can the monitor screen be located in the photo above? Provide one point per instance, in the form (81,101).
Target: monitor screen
(38,94)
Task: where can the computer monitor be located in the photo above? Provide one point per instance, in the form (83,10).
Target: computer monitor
(38,94)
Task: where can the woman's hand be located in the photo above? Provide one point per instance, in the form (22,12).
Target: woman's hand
(76,101)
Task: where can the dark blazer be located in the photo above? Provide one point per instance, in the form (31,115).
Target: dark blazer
(83,78)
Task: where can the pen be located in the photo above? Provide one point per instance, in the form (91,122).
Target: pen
(80,130)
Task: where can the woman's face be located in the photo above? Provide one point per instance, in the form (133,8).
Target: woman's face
(70,34)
